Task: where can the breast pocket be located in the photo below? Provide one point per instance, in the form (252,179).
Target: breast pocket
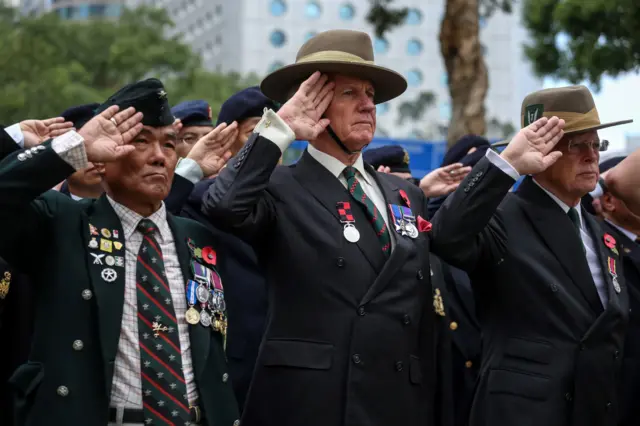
(297,353)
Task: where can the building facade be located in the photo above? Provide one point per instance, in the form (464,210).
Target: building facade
(74,9)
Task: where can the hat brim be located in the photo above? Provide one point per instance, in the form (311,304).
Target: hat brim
(572,132)
(388,84)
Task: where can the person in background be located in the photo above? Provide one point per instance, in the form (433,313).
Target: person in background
(195,117)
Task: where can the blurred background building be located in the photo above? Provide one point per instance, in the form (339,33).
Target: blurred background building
(74,9)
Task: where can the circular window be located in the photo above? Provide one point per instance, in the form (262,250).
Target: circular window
(445,111)
(414,17)
(309,35)
(414,77)
(414,47)
(444,79)
(347,12)
(382,109)
(380,45)
(482,22)
(278,7)
(277,38)
(313,10)
(275,66)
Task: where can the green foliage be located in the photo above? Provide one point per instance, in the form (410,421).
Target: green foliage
(383,17)
(414,110)
(580,40)
(48,64)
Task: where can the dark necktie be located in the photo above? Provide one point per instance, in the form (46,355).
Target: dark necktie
(164,390)
(379,225)
(575,218)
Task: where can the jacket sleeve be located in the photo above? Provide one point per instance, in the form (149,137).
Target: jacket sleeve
(467,230)
(24,213)
(7,144)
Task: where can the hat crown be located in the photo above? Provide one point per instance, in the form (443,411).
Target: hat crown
(356,43)
(576,99)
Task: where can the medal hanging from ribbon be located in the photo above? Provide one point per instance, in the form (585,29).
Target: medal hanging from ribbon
(218,305)
(404,220)
(350,232)
(192,315)
(611,263)
(202,275)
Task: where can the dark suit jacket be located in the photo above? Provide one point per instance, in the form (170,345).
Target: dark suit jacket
(630,252)
(246,298)
(47,236)
(350,334)
(551,352)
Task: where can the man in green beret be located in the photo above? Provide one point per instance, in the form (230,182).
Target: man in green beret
(130,315)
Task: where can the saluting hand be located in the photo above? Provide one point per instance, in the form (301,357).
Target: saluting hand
(37,131)
(211,152)
(303,112)
(444,180)
(531,150)
(107,134)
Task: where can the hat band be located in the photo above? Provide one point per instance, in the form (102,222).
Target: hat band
(574,121)
(333,55)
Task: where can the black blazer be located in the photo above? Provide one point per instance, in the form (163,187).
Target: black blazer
(551,352)
(630,251)
(47,236)
(246,298)
(350,334)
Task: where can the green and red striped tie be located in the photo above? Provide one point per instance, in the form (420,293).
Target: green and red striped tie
(376,219)
(164,390)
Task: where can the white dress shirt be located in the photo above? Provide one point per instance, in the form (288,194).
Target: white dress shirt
(590,247)
(629,234)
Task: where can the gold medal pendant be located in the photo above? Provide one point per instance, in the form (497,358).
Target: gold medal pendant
(192,316)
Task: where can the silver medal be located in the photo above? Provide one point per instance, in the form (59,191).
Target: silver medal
(412,230)
(93,243)
(205,318)
(616,285)
(202,293)
(350,233)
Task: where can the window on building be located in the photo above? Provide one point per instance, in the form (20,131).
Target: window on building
(347,12)
(113,10)
(414,17)
(313,10)
(483,49)
(445,111)
(414,47)
(97,10)
(218,9)
(380,45)
(278,7)
(382,109)
(309,35)
(81,12)
(277,38)
(444,79)
(414,77)
(482,22)
(275,66)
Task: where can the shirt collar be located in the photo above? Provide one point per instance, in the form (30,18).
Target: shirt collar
(130,220)
(335,166)
(561,203)
(629,234)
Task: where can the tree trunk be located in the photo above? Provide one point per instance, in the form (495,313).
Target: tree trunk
(467,73)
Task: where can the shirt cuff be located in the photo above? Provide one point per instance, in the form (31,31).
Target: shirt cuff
(70,147)
(16,134)
(272,127)
(190,170)
(597,192)
(502,164)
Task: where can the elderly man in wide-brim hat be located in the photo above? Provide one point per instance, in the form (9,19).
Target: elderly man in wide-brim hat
(349,339)
(553,308)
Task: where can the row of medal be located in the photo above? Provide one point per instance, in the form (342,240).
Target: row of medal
(403,219)
(206,291)
(107,252)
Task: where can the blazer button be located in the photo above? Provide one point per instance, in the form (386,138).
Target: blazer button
(616,354)
(340,262)
(87,294)
(399,366)
(583,347)
(236,423)
(608,406)
(468,364)
(568,397)
(78,345)
(361,311)
(62,391)
(453,326)
(406,319)
(22,157)
(466,189)
(225,378)
(356,359)
(480,173)
(419,274)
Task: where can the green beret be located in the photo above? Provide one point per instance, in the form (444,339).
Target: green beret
(146,96)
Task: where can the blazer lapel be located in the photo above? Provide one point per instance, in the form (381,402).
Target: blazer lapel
(558,232)
(199,335)
(403,247)
(328,191)
(108,282)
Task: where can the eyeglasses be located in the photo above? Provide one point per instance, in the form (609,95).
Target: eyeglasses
(578,147)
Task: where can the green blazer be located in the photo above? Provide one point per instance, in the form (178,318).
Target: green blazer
(67,380)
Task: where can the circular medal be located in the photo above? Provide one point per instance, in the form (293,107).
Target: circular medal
(351,234)
(110,260)
(412,230)
(205,318)
(105,233)
(192,316)
(93,243)
(215,324)
(202,294)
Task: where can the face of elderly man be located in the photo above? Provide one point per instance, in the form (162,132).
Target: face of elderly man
(352,112)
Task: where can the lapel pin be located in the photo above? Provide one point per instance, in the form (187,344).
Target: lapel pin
(97,258)
(109,275)
(93,243)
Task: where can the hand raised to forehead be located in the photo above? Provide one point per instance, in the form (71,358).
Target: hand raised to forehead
(303,112)
(107,134)
(531,150)
(212,151)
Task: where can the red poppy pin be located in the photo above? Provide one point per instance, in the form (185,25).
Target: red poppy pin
(610,242)
(405,198)
(209,255)
(423,224)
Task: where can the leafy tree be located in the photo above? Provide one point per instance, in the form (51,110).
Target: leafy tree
(462,54)
(602,37)
(414,110)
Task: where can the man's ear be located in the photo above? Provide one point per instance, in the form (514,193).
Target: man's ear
(607,201)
